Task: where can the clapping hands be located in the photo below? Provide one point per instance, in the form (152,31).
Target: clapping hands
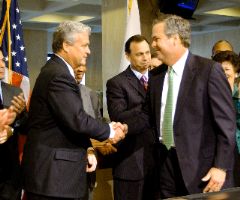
(7,116)
(18,103)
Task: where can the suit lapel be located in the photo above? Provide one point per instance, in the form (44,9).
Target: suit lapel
(186,82)
(134,82)
(157,85)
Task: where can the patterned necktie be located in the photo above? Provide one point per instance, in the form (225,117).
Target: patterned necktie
(167,126)
(144,82)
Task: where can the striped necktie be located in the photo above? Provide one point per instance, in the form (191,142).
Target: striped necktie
(167,126)
(144,82)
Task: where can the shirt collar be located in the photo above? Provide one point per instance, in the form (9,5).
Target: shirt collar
(138,74)
(178,67)
(68,66)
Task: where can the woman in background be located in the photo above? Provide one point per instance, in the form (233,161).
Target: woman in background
(231,65)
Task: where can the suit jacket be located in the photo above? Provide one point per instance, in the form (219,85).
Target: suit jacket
(54,160)
(125,98)
(10,186)
(204,122)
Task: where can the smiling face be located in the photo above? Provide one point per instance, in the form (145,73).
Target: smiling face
(139,56)
(162,44)
(2,66)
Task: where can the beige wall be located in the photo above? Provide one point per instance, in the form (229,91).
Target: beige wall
(36,52)
(148,10)
(94,63)
(113,31)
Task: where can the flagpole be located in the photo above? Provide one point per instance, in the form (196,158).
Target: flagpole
(6,16)
(9,45)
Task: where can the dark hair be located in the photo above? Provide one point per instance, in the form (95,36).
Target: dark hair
(228,56)
(134,38)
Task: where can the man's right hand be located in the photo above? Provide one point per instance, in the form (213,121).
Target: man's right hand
(7,116)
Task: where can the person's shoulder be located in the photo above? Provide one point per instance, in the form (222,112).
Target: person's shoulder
(119,77)
(85,88)
(158,70)
(199,59)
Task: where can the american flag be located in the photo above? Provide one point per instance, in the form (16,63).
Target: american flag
(12,44)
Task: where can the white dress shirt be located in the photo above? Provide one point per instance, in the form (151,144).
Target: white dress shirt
(139,75)
(178,68)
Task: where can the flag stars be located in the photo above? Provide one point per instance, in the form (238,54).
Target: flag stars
(17,10)
(25,59)
(6,58)
(17,64)
(22,48)
(14,53)
(18,37)
(14,26)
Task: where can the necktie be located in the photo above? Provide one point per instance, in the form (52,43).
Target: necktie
(144,82)
(167,126)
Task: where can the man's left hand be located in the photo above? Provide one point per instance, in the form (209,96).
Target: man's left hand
(92,161)
(216,178)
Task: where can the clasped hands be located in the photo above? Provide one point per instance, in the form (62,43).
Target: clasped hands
(120,132)
(106,147)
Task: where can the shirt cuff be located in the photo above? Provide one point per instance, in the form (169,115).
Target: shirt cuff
(112,132)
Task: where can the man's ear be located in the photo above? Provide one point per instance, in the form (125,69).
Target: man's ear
(127,56)
(65,47)
(176,39)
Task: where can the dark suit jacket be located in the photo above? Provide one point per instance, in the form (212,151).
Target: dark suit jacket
(125,98)
(54,159)
(9,166)
(204,121)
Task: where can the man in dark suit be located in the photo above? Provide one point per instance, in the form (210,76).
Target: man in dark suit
(125,97)
(10,96)
(55,157)
(200,131)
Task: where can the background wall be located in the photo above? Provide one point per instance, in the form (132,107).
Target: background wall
(202,44)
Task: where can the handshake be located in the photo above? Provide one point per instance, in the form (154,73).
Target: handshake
(120,132)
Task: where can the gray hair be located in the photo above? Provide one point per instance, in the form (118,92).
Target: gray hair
(66,32)
(175,25)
